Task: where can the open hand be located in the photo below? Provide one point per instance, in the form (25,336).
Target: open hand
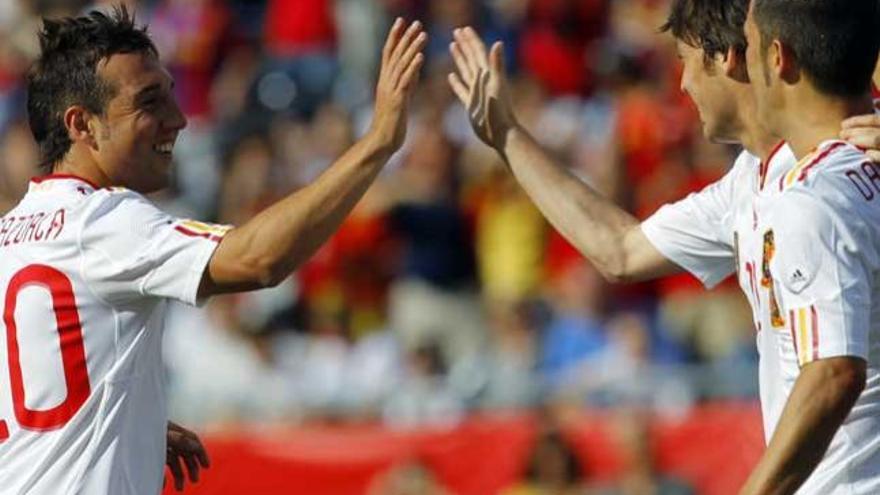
(184,448)
(401,60)
(481,85)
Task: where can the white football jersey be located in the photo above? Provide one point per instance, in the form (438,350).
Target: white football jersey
(85,279)
(806,250)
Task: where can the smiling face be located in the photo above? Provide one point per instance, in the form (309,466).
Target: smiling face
(136,134)
(712,92)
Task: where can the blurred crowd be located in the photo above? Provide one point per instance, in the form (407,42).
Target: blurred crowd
(446,291)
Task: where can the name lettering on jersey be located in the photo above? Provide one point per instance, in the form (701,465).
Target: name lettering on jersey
(36,227)
(866,179)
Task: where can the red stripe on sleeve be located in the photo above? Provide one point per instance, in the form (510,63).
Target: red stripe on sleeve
(815,318)
(791,319)
(190,233)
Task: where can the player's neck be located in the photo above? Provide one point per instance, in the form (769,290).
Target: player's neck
(82,167)
(755,137)
(811,118)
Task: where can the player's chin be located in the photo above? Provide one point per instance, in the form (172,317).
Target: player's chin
(715,133)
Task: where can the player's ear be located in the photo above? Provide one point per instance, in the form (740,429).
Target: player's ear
(734,65)
(81,125)
(783,62)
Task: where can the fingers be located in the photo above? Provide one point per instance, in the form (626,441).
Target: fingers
(873,155)
(391,40)
(402,47)
(867,138)
(173,462)
(458,87)
(496,58)
(411,75)
(202,454)
(468,53)
(476,43)
(411,61)
(461,63)
(862,121)
(192,466)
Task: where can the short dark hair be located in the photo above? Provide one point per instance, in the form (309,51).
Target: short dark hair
(716,26)
(836,42)
(65,74)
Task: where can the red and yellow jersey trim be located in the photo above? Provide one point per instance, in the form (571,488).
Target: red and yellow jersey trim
(804,326)
(193,228)
(800,172)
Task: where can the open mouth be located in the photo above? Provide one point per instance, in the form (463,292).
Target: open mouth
(164,148)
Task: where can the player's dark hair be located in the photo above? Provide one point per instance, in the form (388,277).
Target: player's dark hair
(836,42)
(713,25)
(65,74)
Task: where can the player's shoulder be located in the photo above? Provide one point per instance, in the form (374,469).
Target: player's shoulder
(119,201)
(117,213)
(836,169)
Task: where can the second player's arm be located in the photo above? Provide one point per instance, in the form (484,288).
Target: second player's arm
(610,237)
(266,249)
(607,235)
(821,399)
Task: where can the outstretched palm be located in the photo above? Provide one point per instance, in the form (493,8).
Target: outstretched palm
(481,85)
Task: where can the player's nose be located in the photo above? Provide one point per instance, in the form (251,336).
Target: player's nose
(176,119)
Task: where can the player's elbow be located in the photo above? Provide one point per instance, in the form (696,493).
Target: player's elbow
(846,376)
(852,378)
(615,273)
(270,273)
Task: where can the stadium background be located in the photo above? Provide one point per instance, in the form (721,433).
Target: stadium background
(447,339)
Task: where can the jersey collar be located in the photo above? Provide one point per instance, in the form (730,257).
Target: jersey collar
(63,182)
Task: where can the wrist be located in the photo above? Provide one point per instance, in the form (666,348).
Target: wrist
(508,138)
(380,142)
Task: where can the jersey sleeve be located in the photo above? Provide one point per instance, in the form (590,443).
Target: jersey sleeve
(692,234)
(823,269)
(131,249)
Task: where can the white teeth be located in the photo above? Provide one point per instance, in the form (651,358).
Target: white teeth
(164,148)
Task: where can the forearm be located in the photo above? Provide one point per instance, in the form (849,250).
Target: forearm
(277,240)
(606,234)
(821,399)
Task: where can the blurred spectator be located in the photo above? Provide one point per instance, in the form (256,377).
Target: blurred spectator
(408,479)
(423,397)
(19,157)
(434,298)
(301,42)
(576,336)
(510,361)
(625,375)
(510,240)
(640,475)
(553,468)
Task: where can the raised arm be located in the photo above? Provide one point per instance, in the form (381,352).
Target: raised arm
(266,249)
(606,234)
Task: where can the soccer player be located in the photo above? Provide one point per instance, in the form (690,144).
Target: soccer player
(714,233)
(88,265)
(811,63)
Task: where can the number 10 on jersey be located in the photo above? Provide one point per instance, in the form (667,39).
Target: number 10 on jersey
(73,357)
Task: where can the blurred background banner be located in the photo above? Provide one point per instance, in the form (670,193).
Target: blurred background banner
(488,454)
(446,300)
